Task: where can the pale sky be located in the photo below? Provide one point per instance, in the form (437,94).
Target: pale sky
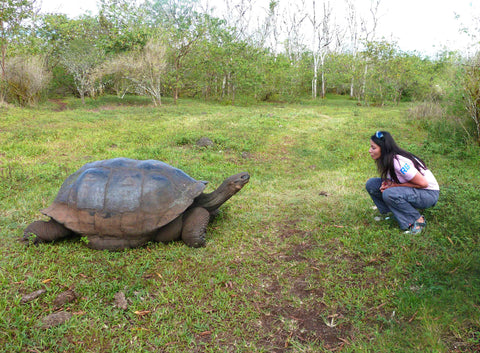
(426,26)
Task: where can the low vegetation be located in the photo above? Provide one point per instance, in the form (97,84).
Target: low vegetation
(294,263)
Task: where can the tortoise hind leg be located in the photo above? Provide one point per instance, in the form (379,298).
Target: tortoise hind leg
(195,223)
(42,231)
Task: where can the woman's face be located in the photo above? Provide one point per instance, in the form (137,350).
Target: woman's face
(375,150)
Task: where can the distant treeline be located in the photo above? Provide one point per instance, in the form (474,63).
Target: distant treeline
(177,49)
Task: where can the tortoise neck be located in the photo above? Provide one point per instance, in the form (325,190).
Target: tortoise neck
(215,199)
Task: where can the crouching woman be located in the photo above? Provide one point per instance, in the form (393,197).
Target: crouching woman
(405,185)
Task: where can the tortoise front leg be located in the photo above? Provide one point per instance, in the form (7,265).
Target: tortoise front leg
(42,231)
(195,223)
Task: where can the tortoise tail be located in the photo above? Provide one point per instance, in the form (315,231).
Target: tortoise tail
(42,231)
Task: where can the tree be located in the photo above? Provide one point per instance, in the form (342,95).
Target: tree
(143,69)
(123,25)
(322,38)
(360,30)
(183,28)
(270,28)
(383,74)
(13,13)
(58,31)
(368,34)
(338,68)
(394,75)
(353,33)
(82,58)
(238,15)
(292,27)
(221,65)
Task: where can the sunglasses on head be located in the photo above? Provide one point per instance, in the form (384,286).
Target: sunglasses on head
(379,134)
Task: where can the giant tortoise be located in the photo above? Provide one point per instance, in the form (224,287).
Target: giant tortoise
(123,203)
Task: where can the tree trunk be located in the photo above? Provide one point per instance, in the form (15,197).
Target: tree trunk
(224,85)
(3,58)
(364,83)
(323,77)
(315,78)
(177,81)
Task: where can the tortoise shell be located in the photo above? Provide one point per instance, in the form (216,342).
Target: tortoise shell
(123,197)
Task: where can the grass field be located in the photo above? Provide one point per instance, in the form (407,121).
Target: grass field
(294,263)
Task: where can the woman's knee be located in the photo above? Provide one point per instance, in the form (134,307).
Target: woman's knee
(373,185)
(392,195)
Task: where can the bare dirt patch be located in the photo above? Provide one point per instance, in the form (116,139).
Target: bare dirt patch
(293,310)
(61,106)
(284,322)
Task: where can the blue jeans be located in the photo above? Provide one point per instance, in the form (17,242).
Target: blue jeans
(402,201)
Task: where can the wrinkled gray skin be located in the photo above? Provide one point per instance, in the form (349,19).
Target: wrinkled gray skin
(124,203)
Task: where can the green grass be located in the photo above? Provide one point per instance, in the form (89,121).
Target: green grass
(294,263)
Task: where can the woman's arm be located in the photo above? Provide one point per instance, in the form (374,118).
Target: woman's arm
(417,182)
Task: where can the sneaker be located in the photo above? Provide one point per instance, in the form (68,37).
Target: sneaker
(381,218)
(416,227)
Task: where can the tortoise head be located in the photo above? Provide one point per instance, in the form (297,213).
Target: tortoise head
(225,191)
(236,182)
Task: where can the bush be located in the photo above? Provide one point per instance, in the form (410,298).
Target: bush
(471,95)
(426,110)
(441,125)
(82,59)
(140,72)
(25,79)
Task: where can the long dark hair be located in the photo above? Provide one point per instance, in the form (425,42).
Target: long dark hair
(389,149)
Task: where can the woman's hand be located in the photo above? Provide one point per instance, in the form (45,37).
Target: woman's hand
(387,184)
(417,182)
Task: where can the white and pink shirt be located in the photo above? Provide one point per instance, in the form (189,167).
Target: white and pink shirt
(405,170)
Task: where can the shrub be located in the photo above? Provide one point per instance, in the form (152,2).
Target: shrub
(426,110)
(26,77)
(471,94)
(140,71)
